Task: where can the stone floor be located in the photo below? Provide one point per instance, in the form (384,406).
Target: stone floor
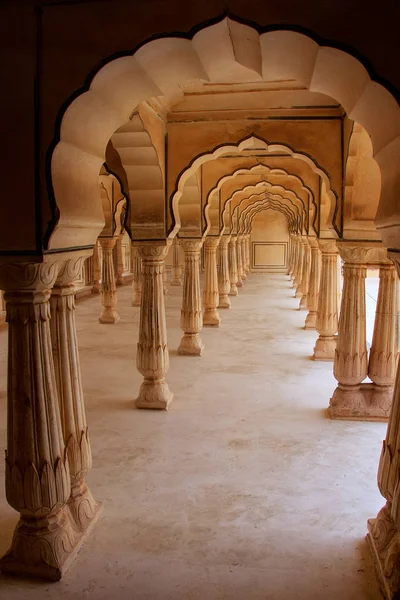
(244,490)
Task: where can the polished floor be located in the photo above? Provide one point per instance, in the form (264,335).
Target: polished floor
(244,490)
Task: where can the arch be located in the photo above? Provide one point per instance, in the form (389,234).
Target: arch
(277,202)
(230,50)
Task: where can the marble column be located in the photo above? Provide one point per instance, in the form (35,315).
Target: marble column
(233,274)
(38,483)
(152,357)
(239,263)
(137,277)
(224,284)
(290,256)
(327,315)
(165,280)
(119,278)
(295,261)
(191,312)
(384,531)
(248,252)
(96,289)
(305,280)
(350,366)
(210,291)
(83,508)
(109,298)
(313,286)
(241,242)
(176,266)
(299,275)
(384,353)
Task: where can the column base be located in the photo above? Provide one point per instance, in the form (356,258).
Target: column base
(363,402)
(244,276)
(311,320)
(298,293)
(191,345)
(384,543)
(45,549)
(96,288)
(303,303)
(109,316)
(136,301)
(119,281)
(224,301)
(324,348)
(239,283)
(211,318)
(154,394)
(83,508)
(233,290)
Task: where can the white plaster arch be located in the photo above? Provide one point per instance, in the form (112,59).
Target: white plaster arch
(225,50)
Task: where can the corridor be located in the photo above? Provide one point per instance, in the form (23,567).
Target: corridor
(244,490)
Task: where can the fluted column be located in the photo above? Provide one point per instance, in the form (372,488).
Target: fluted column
(295,269)
(305,274)
(38,483)
(137,277)
(165,280)
(350,366)
(248,252)
(233,274)
(96,289)
(384,353)
(313,286)
(210,291)
(119,279)
(289,257)
(109,298)
(84,510)
(224,285)
(299,272)
(152,357)
(239,264)
(327,317)
(191,313)
(241,243)
(384,530)
(176,266)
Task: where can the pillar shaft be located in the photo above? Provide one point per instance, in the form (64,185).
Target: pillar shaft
(327,317)
(191,312)
(224,285)
(233,274)
(96,289)
(84,510)
(152,357)
(299,272)
(239,263)
(241,242)
(176,266)
(313,286)
(109,299)
(210,291)
(119,278)
(305,274)
(38,481)
(137,277)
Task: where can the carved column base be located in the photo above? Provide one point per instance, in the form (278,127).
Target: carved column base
(303,302)
(384,542)
(43,548)
(239,283)
(83,508)
(324,348)
(96,288)
(311,320)
(224,301)
(364,402)
(233,291)
(243,275)
(191,345)
(137,299)
(109,316)
(211,318)
(298,293)
(119,280)
(154,394)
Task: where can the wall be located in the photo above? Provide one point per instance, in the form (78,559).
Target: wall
(269,242)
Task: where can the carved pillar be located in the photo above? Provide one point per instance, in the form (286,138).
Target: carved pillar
(191,313)
(241,243)
(313,286)
(233,274)
(305,274)
(350,366)
(176,267)
(290,256)
(119,279)
(96,289)
(108,297)
(165,279)
(152,357)
(210,291)
(239,267)
(384,530)
(84,510)
(248,251)
(38,482)
(224,285)
(295,269)
(137,277)
(299,272)
(327,317)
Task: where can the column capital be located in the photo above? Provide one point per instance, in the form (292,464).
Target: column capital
(224,241)
(362,252)
(156,251)
(211,242)
(191,244)
(327,246)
